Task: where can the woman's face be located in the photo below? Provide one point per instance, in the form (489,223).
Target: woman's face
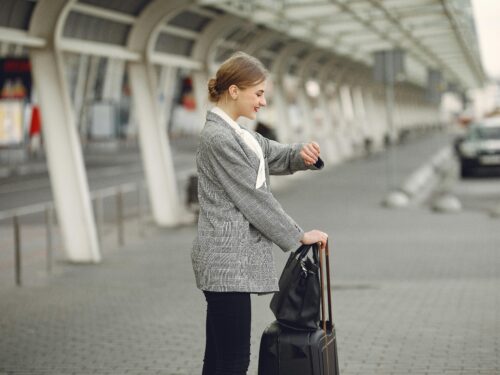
(251,99)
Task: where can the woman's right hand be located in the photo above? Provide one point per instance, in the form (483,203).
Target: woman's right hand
(315,236)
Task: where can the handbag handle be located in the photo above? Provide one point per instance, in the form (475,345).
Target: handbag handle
(302,251)
(329,290)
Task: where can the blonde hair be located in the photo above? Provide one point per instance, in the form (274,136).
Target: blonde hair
(241,70)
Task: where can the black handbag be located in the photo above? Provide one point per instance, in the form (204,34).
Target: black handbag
(297,304)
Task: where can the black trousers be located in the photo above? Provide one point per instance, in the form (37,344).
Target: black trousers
(227,348)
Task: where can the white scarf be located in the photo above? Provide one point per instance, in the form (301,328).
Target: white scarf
(250,141)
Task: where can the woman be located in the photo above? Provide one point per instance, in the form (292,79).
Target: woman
(239,218)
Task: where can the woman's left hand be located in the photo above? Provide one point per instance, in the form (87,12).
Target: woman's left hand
(310,153)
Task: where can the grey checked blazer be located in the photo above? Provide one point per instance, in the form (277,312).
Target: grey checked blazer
(238,223)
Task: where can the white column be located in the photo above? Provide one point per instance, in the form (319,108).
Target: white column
(307,114)
(79,91)
(153,137)
(282,122)
(279,70)
(328,102)
(64,155)
(283,128)
(305,102)
(347,132)
(329,147)
(166,93)
(360,125)
(155,148)
(340,139)
(317,129)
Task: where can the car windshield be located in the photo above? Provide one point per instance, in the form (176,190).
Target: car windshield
(488,132)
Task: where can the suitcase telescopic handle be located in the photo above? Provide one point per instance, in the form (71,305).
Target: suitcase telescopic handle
(328,286)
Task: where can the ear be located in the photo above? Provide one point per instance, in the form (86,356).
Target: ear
(233,91)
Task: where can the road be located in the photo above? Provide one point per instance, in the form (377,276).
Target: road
(481,194)
(103,170)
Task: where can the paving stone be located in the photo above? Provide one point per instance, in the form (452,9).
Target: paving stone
(414,293)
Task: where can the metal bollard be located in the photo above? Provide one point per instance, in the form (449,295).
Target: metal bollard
(48,225)
(119,217)
(17,250)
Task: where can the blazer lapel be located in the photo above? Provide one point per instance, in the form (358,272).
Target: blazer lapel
(248,152)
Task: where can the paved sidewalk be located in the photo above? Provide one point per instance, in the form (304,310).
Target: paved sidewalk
(414,292)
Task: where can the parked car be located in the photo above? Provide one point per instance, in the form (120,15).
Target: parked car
(479,148)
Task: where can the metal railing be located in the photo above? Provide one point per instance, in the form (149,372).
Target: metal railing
(98,200)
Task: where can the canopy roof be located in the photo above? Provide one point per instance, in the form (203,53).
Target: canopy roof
(436,34)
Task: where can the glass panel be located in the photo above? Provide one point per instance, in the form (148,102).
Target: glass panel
(189,20)
(133,7)
(174,44)
(16,13)
(95,29)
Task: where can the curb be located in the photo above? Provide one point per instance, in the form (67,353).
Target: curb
(421,182)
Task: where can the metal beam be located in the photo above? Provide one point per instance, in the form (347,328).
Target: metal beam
(166,59)
(312,11)
(307,4)
(106,14)
(202,11)
(21,37)
(426,52)
(180,32)
(98,49)
(392,21)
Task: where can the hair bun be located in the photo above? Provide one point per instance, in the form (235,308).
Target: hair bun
(241,70)
(213,93)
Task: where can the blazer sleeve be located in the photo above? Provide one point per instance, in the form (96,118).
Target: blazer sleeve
(284,158)
(237,177)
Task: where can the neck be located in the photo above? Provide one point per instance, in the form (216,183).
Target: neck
(229,109)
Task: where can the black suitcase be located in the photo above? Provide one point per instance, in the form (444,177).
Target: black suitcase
(288,351)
